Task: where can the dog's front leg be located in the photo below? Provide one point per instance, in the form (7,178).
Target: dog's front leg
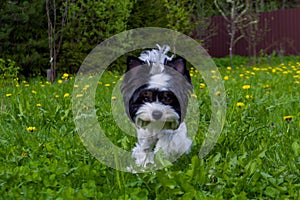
(143,151)
(174,143)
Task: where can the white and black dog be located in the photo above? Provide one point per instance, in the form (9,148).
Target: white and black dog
(155,90)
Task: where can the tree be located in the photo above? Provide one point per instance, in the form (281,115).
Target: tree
(234,17)
(89,23)
(179,15)
(55,13)
(204,28)
(22,35)
(253,29)
(150,13)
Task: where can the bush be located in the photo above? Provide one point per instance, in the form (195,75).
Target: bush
(8,69)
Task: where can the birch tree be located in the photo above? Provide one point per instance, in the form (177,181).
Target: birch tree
(233,12)
(57,18)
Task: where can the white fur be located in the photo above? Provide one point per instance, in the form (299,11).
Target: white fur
(159,81)
(157,58)
(173,143)
(145,114)
(154,137)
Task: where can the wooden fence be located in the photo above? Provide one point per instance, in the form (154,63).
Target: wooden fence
(279,33)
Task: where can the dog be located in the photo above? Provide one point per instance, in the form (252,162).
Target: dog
(155,90)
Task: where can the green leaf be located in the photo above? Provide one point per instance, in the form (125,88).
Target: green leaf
(296,148)
(271,192)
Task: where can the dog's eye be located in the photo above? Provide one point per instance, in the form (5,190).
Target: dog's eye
(167,98)
(146,96)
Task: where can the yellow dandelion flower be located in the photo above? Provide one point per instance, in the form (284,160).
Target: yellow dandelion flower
(202,85)
(65,76)
(107,85)
(297,82)
(266,86)
(215,77)
(248,96)
(240,104)
(194,95)
(17,85)
(85,87)
(31,128)
(241,75)
(288,118)
(75,86)
(56,96)
(246,87)
(226,78)
(113,98)
(66,95)
(79,95)
(38,105)
(33,92)
(229,68)
(8,95)
(218,93)
(59,81)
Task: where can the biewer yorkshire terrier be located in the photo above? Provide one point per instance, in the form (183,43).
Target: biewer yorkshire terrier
(155,91)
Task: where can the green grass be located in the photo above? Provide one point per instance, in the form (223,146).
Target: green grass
(256,157)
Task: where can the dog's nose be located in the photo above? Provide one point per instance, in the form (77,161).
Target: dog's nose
(156,114)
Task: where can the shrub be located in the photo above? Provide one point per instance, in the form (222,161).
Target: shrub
(8,69)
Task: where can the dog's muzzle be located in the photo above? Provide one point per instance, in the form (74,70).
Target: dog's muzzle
(157,121)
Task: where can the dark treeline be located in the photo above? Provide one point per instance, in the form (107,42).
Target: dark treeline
(34,31)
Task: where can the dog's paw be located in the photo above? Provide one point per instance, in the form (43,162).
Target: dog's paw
(141,157)
(174,143)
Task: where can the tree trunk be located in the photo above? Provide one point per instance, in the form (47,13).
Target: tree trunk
(231,44)
(55,36)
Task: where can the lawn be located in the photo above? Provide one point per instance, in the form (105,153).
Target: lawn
(257,155)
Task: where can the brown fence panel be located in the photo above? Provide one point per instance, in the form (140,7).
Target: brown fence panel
(282,35)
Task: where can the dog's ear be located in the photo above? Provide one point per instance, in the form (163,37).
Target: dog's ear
(179,64)
(133,62)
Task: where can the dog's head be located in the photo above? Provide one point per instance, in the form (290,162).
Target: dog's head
(156,89)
